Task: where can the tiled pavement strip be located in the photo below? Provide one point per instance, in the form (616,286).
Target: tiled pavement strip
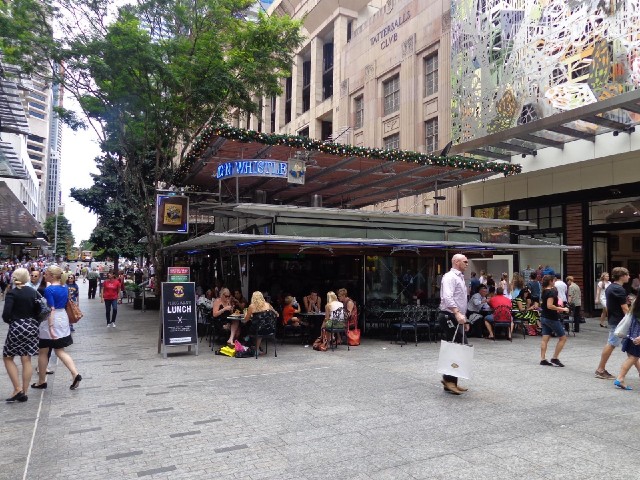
(375,412)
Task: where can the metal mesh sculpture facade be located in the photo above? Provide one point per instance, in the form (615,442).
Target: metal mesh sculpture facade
(515,61)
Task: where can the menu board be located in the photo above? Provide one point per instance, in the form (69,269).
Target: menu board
(179,322)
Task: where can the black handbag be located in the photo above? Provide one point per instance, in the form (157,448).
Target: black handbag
(41,309)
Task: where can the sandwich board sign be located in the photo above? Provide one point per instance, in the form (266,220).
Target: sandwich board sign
(179,321)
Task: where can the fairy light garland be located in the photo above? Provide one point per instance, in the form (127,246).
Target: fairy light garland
(203,141)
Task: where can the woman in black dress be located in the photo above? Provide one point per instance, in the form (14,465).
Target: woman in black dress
(19,312)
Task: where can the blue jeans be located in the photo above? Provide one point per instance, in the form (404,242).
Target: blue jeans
(111,308)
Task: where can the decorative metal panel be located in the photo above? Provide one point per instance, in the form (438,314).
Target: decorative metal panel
(515,61)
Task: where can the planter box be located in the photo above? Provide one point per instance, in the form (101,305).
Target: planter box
(151,303)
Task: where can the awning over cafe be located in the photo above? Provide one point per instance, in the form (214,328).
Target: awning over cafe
(620,114)
(239,240)
(324,229)
(235,164)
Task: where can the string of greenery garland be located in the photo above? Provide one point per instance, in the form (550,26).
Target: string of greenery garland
(295,141)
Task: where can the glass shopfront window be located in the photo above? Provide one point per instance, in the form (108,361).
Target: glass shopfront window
(494,234)
(622,210)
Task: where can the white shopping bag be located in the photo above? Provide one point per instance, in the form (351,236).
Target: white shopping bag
(622,330)
(456,359)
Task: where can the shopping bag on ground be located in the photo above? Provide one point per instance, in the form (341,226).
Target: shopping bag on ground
(455,359)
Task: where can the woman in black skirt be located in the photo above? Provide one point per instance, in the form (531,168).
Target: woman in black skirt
(22,338)
(55,332)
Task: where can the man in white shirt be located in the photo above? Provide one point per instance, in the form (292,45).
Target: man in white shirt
(561,287)
(453,309)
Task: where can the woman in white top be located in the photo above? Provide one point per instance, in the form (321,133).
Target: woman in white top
(602,299)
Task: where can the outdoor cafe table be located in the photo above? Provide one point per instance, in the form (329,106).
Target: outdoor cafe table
(314,319)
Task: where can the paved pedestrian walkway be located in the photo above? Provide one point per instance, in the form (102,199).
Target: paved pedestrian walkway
(375,412)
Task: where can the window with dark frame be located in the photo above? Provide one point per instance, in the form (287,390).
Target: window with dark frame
(431,75)
(306,86)
(327,70)
(431,135)
(391,93)
(288,87)
(272,114)
(358,107)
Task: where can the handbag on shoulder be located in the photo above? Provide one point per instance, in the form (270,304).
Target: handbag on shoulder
(73,311)
(42,309)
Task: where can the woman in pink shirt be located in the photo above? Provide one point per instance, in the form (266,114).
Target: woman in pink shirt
(109,295)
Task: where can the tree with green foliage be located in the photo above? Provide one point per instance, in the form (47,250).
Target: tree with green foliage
(119,229)
(65,240)
(26,35)
(151,76)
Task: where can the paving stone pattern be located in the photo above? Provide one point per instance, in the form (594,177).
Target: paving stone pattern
(376,412)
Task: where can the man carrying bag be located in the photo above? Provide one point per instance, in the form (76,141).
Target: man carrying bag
(453,308)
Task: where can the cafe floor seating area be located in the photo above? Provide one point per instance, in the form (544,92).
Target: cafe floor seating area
(414,318)
(387,319)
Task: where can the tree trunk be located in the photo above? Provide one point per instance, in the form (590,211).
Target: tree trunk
(116,261)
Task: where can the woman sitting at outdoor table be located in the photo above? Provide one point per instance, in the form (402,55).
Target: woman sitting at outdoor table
(239,302)
(333,315)
(524,309)
(258,313)
(206,300)
(222,308)
(312,303)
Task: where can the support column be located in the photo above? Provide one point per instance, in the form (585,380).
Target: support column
(316,86)
(296,88)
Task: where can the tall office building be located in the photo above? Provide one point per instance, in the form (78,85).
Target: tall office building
(54,167)
(39,108)
(19,184)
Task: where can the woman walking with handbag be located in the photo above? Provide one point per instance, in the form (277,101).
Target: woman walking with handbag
(54,331)
(73,293)
(20,310)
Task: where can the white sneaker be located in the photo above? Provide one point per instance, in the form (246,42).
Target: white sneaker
(113,324)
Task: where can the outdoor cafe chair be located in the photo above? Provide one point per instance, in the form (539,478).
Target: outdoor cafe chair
(337,325)
(518,323)
(502,319)
(408,322)
(263,325)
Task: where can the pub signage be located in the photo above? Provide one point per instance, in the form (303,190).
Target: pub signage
(293,170)
(252,168)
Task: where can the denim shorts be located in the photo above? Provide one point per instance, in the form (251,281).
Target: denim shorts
(555,326)
(613,340)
